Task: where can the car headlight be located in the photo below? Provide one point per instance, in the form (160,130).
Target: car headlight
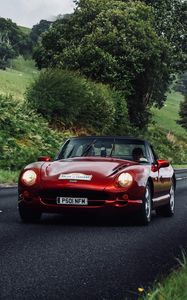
(29,177)
(125,179)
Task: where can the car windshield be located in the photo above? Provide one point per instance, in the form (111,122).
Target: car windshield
(128,149)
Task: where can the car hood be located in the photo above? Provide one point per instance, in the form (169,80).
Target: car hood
(100,169)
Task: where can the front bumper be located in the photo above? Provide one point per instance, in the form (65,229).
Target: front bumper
(47,202)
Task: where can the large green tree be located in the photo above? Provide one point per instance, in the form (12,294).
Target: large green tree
(171,22)
(115,42)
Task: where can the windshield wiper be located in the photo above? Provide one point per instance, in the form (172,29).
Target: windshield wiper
(89,146)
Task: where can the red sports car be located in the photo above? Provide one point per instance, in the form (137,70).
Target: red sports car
(118,174)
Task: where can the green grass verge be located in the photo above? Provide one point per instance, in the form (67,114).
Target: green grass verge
(16,79)
(173,287)
(8,177)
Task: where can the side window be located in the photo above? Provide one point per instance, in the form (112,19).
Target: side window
(154,156)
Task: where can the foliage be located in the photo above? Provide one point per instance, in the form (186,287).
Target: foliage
(8,177)
(183,113)
(13,41)
(171,22)
(181,84)
(167,145)
(121,125)
(117,43)
(24,135)
(38,29)
(69,100)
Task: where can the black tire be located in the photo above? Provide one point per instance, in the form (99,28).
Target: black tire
(168,209)
(145,212)
(29,215)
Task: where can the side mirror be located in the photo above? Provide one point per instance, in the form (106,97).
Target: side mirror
(44,158)
(160,163)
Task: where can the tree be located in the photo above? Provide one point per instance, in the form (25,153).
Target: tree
(114,42)
(183,113)
(12,40)
(182,87)
(38,29)
(171,22)
(181,84)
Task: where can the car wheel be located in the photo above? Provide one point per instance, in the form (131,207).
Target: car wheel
(29,215)
(168,209)
(145,212)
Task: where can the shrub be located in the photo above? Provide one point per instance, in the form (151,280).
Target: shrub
(166,145)
(56,95)
(24,135)
(69,99)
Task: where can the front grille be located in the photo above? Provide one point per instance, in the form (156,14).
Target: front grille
(95,198)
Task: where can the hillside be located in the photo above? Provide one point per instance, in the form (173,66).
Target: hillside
(169,139)
(14,80)
(25,30)
(167,116)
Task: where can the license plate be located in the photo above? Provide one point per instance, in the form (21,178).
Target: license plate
(71,201)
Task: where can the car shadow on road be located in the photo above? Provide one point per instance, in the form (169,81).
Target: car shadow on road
(92,219)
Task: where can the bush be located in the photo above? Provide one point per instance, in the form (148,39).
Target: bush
(69,99)
(167,145)
(24,135)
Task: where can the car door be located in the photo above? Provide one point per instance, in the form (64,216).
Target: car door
(154,171)
(161,174)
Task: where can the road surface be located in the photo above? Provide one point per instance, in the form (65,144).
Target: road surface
(86,258)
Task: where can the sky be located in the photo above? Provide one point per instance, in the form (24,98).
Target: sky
(29,12)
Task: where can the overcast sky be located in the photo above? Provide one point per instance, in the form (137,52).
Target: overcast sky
(30,12)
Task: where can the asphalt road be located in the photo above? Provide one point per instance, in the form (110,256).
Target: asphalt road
(86,258)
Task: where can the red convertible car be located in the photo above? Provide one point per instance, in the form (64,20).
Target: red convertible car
(117,174)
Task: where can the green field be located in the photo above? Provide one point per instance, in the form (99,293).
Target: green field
(15,80)
(167,116)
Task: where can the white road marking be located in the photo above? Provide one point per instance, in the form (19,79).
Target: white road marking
(181,178)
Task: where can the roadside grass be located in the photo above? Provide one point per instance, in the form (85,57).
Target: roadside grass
(15,80)
(179,166)
(8,177)
(173,287)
